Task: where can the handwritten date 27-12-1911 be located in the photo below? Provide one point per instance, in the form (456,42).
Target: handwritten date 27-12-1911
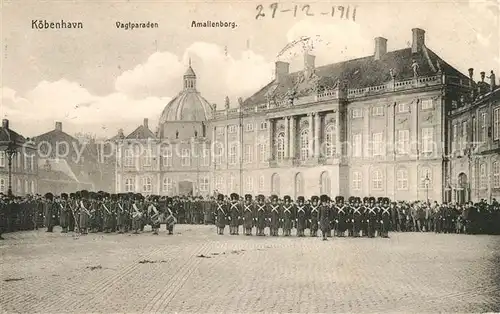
(342,12)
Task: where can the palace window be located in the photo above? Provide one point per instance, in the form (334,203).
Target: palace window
(33,189)
(483,177)
(263,125)
(167,185)
(219,183)
(496,124)
(427,140)
(249,127)
(262,182)
(425,178)
(249,184)
(248,154)
(231,128)
(262,152)
(357,113)
(464,134)
(378,111)
(454,141)
(167,156)
(357,145)
(2,185)
(280,146)
(356,180)
(496,174)
(378,145)
(220,130)
(304,144)
(403,107)
(427,104)
(204,184)
(330,140)
(26,187)
(185,157)
(205,157)
(219,151)
(232,153)
(377,180)
(147,157)
(19,187)
(403,146)
(129,185)
(402,179)
(232,183)
(2,159)
(484,127)
(147,185)
(129,158)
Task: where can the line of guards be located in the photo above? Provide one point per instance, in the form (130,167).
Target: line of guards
(85,212)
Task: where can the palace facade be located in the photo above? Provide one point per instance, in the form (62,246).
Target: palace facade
(373,126)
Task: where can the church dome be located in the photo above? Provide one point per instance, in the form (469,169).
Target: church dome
(189,105)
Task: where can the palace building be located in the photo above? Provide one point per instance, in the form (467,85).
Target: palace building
(373,126)
(473,166)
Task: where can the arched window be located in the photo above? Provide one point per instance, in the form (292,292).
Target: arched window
(483,177)
(330,141)
(496,175)
(304,144)
(377,181)
(275,184)
(167,185)
(402,179)
(299,185)
(147,185)
(425,178)
(325,183)
(219,183)
(280,146)
(129,185)
(261,183)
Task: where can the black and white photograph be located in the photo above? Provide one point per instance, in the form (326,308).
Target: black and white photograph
(210,156)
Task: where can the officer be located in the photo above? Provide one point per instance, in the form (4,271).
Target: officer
(64,212)
(288,215)
(49,212)
(324,216)
(301,216)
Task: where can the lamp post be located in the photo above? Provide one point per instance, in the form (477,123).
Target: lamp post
(10,151)
(426,181)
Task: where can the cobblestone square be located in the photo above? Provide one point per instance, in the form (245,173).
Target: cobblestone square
(195,270)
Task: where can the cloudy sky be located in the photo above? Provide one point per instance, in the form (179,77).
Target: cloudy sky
(102,78)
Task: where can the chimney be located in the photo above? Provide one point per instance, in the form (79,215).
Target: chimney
(418,40)
(145,122)
(282,69)
(492,81)
(59,126)
(380,47)
(5,123)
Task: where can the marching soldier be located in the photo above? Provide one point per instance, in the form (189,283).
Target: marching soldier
(170,213)
(301,216)
(274,216)
(358,215)
(341,213)
(49,213)
(107,213)
(85,213)
(137,213)
(221,214)
(261,215)
(372,216)
(155,215)
(248,214)
(234,214)
(64,214)
(314,216)
(288,215)
(349,213)
(385,218)
(324,215)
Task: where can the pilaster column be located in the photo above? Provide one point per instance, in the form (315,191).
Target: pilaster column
(226,145)
(317,135)
(338,146)
(214,145)
(287,141)
(311,135)
(270,137)
(293,133)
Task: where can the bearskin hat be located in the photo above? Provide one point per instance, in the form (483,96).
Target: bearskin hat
(314,198)
(287,198)
(248,197)
(324,198)
(352,199)
(234,196)
(386,200)
(84,193)
(138,197)
(372,199)
(72,195)
(380,200)
(78,194)
(300,199)
(169,201)
(366,199)
(274,198)
(261,197)
(114,197)
(64,196)
(220,197)
(49,196)
(339,199)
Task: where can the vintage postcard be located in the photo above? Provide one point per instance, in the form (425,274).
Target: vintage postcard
(244,156)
